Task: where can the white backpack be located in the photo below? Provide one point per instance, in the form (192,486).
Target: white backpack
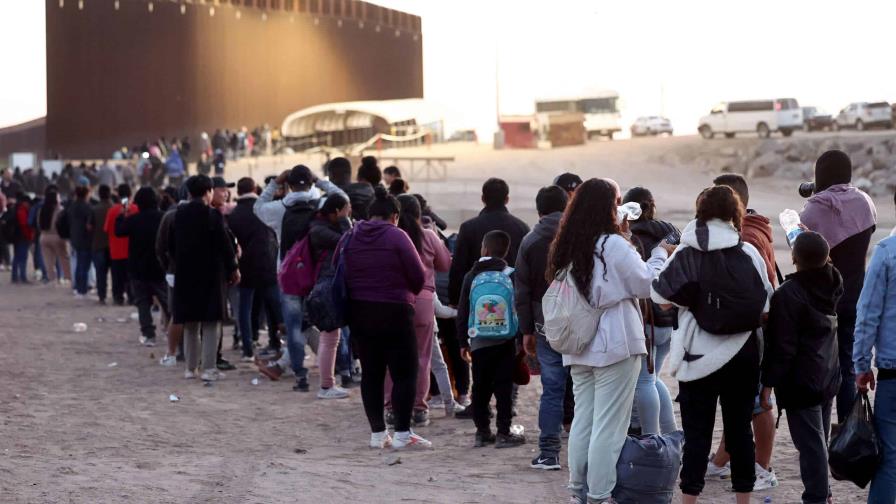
(570,322)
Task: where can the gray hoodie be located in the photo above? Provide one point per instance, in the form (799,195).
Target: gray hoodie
(271,211)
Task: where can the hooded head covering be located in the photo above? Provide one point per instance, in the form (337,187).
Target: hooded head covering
(832,168)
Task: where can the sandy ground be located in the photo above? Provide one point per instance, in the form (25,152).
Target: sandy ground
(78,429)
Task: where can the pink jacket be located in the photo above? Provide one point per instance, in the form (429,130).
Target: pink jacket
(436,258)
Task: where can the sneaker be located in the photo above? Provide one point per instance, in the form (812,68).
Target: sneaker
(420,418)
(224,365)
(332,393)
(380,440)
(453,408)
(465,413)
(765,480)
(270,369)
(247,358)
(301,385)
(189,375)
(483,438)
(464,401)
(409,440)
(211,375)
(436,402)
(715,472)
(389,416)
(509,440)
(149,342)
(168,360)
(347,382)
(547,463)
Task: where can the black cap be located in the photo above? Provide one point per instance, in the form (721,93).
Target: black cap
(568,181)
(219,182)
(300,175)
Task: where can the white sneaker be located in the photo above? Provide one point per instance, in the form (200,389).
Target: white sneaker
(148,342)
(211,375)
(715,472)
(333,392)
(247,358)
(78,295)
(436,402)
(189,375)
(409,440)
(764,479)
(464,401)
(380,440)
(168,360)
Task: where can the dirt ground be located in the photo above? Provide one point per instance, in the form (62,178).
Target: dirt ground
(86,417)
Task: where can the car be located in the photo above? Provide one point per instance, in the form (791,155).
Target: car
(864,115)
(651,125)
(755,116)
(816,120)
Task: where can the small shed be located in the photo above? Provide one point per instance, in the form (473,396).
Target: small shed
(519,131)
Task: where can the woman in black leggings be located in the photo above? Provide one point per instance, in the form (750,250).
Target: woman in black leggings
(384,274)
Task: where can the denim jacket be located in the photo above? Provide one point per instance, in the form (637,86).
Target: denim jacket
(876,320)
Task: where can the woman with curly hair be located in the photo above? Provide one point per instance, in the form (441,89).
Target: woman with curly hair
(611,275)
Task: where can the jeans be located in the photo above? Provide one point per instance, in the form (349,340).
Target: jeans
(293,314)
(82,269)
(39,264)
(846,326)
(809,428)
(101,265)
(652,399)
(440,372)
(604,397)
(344,354)
(143,294)
(493,375)
(553,392)
(20,261)
(271,297)
(883,486)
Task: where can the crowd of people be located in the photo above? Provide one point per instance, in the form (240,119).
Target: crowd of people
(453,322)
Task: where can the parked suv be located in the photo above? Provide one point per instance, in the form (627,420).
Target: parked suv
(816,120)
(760,116)
(863,115)
(652,125)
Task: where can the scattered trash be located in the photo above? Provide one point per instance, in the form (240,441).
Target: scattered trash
(431,479)
(112,364)
(121,320)
(79,327)
(301,451)
(173,398)
(208,383)
(135,315)
(254,381)
(100,319)
(152,355)
(392,460)
(517,429)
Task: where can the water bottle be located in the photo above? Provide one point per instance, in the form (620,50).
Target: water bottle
(630,211)
(790,221)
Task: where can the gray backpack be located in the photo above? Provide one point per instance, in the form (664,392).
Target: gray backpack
(648,467)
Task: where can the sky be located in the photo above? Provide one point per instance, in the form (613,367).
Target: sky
(672,58)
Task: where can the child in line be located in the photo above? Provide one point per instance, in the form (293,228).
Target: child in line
(486,322)
(801,361)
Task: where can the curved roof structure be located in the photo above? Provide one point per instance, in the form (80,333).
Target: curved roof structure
(359,114)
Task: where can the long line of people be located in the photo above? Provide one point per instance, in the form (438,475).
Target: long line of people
(700,303)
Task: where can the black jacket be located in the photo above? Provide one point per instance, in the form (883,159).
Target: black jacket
(360,195)
(801,357)
(469,243)
(258,244)
(849,257)
(531,263)
(79,213)
(463,308)
(324,236)
(646,235)
(141,230)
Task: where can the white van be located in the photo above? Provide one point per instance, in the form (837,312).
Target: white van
(758,116)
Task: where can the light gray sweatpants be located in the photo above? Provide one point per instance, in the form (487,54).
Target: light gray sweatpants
(210,331)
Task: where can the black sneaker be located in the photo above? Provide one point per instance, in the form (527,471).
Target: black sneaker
(420,418)
(483,438)
(301,385)
(464,413)
(224,365)
(509,440)
(347,382)
(547,463)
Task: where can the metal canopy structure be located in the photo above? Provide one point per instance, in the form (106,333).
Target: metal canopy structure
(377,115)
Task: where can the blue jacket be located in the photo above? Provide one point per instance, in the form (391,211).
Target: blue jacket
(876,321)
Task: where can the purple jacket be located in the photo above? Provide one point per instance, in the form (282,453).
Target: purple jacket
(382,265)
(839,212)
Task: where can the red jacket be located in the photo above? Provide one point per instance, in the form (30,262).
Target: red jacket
(757,231)
(26,232)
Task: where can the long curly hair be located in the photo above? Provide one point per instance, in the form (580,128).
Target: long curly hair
(590,214)
(720,202)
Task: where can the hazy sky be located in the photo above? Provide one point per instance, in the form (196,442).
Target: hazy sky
(677,58)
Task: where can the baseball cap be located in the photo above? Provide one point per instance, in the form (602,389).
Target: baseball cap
(219,182)
(568,181)
(83,181)
(300,175)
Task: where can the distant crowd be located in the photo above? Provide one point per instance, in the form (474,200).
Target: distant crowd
(597,298)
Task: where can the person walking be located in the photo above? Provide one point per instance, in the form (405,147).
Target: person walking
(384,274)
(79,213)
(611,275)
(203,254)
(715,351)
(100,245)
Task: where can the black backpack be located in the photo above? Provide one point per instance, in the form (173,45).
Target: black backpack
(296,223)
(731,296)
(63,227)
(9,225)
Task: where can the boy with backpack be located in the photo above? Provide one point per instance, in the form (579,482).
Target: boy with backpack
(801,359)
(487,327)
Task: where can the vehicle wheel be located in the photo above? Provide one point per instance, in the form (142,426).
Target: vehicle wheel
(762,130)
(706,132)
(729,135)
(787,132)
(860,126)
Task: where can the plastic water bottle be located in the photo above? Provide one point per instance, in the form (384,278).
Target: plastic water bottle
(630,211)
(790,221)
(79,327)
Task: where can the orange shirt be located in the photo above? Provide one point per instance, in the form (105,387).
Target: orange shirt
(118,247)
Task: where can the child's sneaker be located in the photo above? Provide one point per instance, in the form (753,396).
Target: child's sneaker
(546,462)
(509,440)
(409,440)
(483,438)
(380,440)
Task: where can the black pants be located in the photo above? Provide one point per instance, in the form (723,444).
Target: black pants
(144,292)
(384,336)
(734,385)
(493,375)
(458,366)
(119,268)
(846,397)
(809,428)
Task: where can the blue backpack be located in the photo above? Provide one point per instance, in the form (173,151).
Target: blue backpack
(492,313)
